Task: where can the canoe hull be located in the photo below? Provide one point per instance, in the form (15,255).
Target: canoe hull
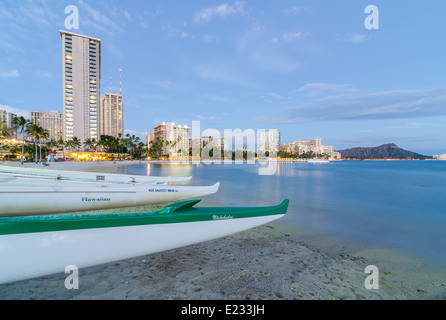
(24,172)
(38,254)
(23,201)
(37,246)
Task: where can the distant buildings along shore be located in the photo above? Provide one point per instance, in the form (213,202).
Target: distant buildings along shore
(314,146)
(440,157)
(85,114)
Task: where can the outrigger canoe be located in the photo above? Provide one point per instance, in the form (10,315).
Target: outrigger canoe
(38,199)
(81,176)
(37,246)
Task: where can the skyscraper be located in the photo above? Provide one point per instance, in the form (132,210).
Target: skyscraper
(51,121)
(112,114)
(81,68)
(7,118)
(177,136)
(269,141)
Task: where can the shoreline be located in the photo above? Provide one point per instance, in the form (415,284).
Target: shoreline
(272,262)
(264,263)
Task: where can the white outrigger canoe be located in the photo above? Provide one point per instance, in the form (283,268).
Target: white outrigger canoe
(82,176)
(37,246)
(39,199)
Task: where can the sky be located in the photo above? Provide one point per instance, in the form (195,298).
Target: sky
(307,68)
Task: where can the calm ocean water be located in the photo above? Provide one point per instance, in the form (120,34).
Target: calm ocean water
(395,204)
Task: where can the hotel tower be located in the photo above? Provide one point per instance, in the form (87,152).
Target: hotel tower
(112,115)
(81,69)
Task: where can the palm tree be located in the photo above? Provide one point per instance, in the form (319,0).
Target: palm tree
(131,142)
(42,134)
(69,145)
(90,144)
(61,144)
(120,142)
(20,123)
(34,131)
(141,147)
(156,148)
(73,143)
(76,143)
(4,131)
(52,144)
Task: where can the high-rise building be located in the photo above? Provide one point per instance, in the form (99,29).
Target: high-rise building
(7,118)
(51,121)
(269,141)
(176,136)
(149,138)
(112,114)
(81,69)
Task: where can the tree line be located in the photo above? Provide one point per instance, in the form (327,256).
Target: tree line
(128,144)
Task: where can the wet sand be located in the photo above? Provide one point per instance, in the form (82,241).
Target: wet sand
(272,262)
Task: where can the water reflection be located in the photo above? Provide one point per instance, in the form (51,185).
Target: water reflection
(165,170)
(377,202)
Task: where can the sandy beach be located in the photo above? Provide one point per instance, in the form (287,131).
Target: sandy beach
(271,262)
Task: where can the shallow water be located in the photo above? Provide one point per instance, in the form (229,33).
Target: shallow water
(394,204)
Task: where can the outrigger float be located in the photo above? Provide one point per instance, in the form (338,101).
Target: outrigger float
(42,245)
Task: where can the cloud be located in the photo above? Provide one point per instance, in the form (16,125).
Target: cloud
(45,74)
(165,84)
(255,46)
(210,38)
(290,36)
(97,20)
(222,72)
(277,96)
(221,11)
(10,74)
(173,32)
(7,45)
(410,125)
(317,89)
(396,104)
(127,16)
(355,38)
(41,14)
(292,11)
(216,98)
(19,112)
(204,118)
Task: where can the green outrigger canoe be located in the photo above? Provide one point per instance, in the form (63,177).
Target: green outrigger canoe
(34,246)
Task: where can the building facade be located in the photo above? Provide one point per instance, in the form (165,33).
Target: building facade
(51,121)
(7,118)
(81,69)
(176,136)
(268,141)
(440,157)
(315,145)
(112,115)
